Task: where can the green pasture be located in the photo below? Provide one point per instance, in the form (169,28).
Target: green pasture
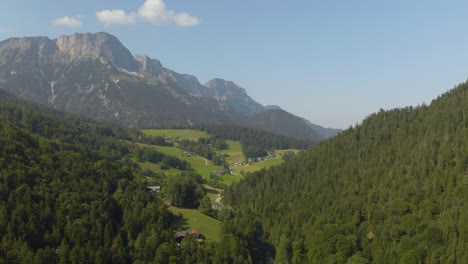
(204,168)
(234,153)
(258,165)
(192,218)
(229,179)
(213,193)
(282,151)
(189,134)
(157,167)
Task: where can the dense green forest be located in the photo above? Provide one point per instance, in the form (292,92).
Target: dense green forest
(393,189)
(69,193)
(255,142)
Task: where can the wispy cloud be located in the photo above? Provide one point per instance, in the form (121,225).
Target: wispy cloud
(67,21)
(153,11)
(109,17)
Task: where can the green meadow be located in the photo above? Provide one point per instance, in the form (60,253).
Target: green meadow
(201,165)
(206,167)
(193,219)
(234,153)
(257,165)
(157,167)
(189,134)
(213,193)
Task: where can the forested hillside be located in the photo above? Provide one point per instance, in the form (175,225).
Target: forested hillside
(391,190)
(255,142)
(69,193)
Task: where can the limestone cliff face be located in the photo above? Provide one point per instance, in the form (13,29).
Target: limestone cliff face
(233,96)
(148,65)
(99,45)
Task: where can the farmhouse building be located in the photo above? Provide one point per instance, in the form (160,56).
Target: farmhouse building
(179,236)
(218,173)
(155,189)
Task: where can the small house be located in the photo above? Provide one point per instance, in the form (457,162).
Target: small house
(218,173)
(179,236)
(188,154)
(155,189)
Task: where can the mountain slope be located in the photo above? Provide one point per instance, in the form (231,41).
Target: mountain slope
(96,76)
(392,190)
(323,131)
(71,193)
(233,96)
(282,122)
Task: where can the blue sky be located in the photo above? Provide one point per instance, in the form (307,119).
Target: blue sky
(332,62)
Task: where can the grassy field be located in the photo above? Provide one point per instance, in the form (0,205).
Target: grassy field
(204,168)
(189,134)
(234,153)
(157,167)
(282,151)
(209,227)
(258,165)
(230,179)
(213,193)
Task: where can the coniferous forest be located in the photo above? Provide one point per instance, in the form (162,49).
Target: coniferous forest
(393,189)
(69,193)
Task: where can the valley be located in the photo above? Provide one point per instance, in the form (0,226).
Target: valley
(234,158)
(236,167)
(110,157)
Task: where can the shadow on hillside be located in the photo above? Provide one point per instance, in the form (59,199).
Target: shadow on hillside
(180,222)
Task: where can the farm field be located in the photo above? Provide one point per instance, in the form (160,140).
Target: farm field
(282,151)
(202,166)
(157,167)
(189,134)
(229,179)
(208,226)
(213,193)
(258,165)
(234,153)
(206,167)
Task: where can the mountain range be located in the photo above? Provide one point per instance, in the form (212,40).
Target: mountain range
(95,75)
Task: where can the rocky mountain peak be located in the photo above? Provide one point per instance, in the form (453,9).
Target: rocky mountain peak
(97,45)
(151,66)
(224,86)
(15,49)
(234,96)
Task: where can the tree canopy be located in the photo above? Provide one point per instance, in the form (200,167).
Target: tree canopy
(393,189)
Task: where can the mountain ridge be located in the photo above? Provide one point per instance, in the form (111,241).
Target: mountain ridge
(97,76)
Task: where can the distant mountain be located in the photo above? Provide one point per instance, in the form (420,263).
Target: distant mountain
(323,131)
(232,95)
(96,76)
(281,122)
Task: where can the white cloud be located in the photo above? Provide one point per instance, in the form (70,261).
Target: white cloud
(184,19)
(154,11)
(67,21)
(109,17)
